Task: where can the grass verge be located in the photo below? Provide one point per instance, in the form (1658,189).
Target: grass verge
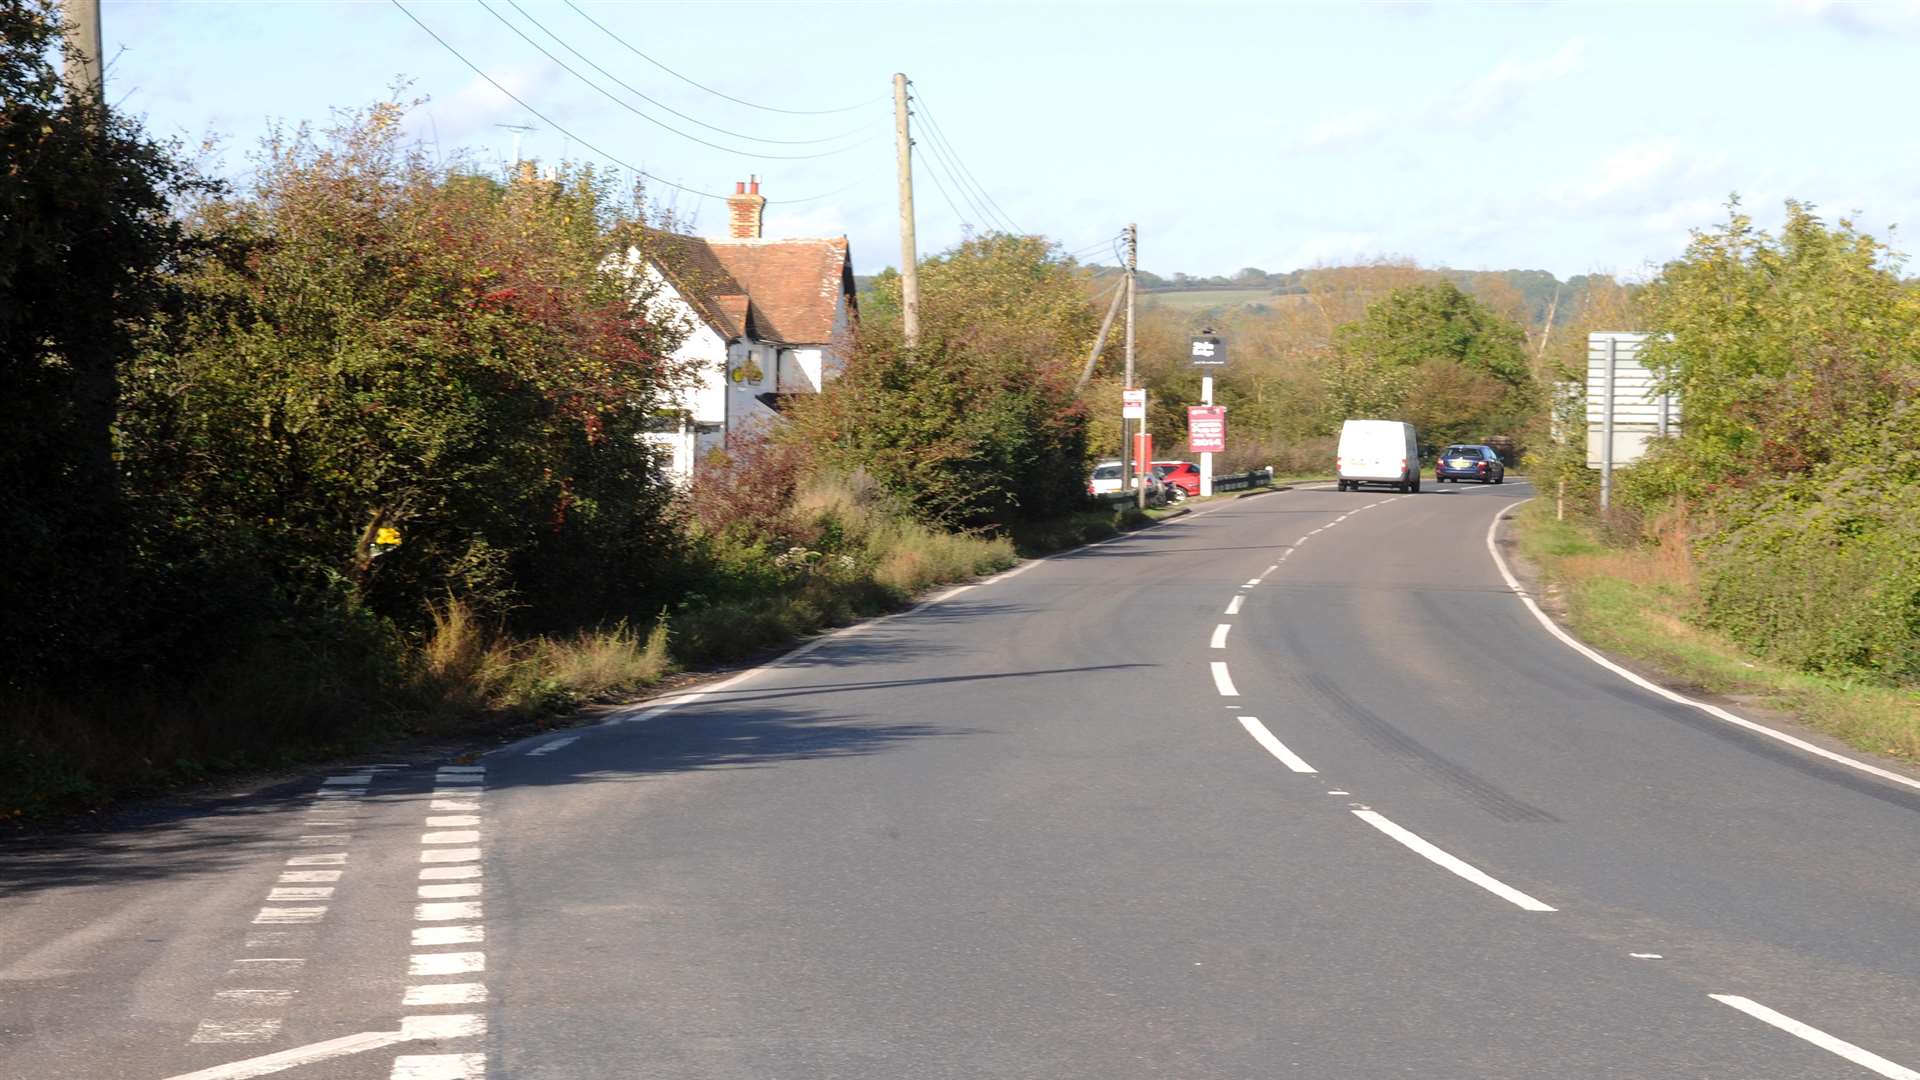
(1640,602)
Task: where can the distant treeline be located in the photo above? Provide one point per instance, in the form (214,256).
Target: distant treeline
(1540,289)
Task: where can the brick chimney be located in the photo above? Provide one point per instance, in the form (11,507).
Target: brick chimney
(745,207)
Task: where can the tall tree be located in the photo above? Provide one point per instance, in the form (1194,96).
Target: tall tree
(86,240)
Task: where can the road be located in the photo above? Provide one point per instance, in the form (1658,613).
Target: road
(1294,786)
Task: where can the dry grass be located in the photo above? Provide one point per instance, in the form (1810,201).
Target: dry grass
(465,668)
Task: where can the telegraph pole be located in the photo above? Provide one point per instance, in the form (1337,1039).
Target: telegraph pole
(909,257)
(80,51)
(1126,452)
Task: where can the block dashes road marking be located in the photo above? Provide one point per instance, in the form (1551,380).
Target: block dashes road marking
(440,1067)
(445,994)
(246,1013)
(236,1031)
(450,907)
(424,936)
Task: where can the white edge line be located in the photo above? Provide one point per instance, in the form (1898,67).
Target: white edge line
(1219,640)
(1714,711)
(661,706)
(1274,746)
(1864,1058)
(299,1055)
(1440,858)
(1222,681)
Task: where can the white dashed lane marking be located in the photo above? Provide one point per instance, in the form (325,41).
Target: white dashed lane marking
(1233,605)
(1274,746)
(1457,866)
(1864,1058)
(1222,681)
(1220,636)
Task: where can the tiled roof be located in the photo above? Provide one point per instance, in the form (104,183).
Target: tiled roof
(795,285)
(688,263)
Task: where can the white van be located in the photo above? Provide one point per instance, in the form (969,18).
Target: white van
(1378,452)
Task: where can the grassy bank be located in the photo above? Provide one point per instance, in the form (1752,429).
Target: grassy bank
(310,692)
(1643,601)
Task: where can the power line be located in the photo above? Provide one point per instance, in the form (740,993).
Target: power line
(739,101)
(980,215)
(610,96)
(1081,253)
(942,188)
(637,92)
(955,169)
(940,136)
(552,123)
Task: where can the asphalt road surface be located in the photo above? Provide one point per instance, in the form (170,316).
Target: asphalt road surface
(1295,786)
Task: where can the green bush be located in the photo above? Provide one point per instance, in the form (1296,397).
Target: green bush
(1825,576)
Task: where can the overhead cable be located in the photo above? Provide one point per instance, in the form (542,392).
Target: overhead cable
(738,101)
(552,123)
(980,215)
(610,96)
(942,188)
(940,135)
(641,94)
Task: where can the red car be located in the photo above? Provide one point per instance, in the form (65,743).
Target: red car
(1182,476)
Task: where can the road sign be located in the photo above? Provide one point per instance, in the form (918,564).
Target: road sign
(1207,429)
(1208,350)
(1133,405)
(1628,407)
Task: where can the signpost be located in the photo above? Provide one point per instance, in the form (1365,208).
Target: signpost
(1207,352)
(1626,406)
(1133,467)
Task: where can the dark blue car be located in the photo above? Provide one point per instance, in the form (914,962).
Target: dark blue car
(1463,462)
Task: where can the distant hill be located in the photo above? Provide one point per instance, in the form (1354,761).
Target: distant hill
(1252,287)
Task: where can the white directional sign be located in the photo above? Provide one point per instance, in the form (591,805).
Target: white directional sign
(1624,401)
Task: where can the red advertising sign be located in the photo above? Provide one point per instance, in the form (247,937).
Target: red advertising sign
(1207,429)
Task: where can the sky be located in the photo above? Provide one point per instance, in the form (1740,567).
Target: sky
(1570,137)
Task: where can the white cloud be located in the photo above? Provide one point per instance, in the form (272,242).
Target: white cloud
(1629,171)
(1346,127)
(1855,16)
(1495,90)
(1475,99)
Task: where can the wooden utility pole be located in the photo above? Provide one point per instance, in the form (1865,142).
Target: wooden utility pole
(80,51)
(909,256)
(1100,342)
(1133,266)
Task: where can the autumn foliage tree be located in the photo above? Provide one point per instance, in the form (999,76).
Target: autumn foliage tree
(978,424)
(402,382)
(1439,358)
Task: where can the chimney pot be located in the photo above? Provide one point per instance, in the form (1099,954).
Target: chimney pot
(745,208)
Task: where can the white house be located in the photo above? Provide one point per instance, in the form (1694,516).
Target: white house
(769,318)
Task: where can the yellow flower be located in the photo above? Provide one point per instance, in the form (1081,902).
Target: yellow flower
(387,536)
